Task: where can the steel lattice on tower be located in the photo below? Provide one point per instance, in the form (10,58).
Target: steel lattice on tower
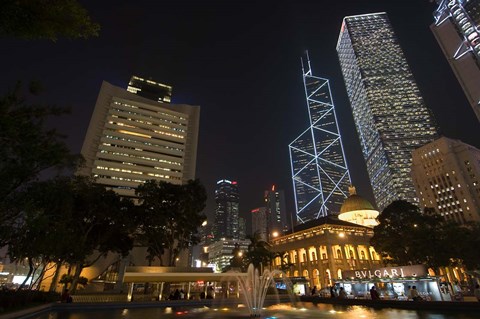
(319,170)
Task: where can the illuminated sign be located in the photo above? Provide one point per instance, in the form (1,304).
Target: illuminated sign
(387,272)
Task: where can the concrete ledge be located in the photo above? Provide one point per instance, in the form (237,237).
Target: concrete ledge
(398,304)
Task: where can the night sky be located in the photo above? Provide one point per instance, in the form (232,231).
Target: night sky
(240,61)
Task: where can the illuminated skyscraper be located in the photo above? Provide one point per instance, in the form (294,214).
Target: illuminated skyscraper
(456,29)
(132,139)
(390,115)
(319,169)
(150,89)
(276,212)
(227,219)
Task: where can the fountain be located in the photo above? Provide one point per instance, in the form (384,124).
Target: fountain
(255,288)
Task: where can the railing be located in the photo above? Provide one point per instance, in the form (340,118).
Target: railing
(100,298)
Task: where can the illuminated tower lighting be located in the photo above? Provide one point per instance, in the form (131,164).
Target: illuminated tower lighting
(319,170)
(389,112)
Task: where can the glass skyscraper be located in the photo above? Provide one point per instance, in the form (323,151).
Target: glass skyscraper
(319,169)
(389,112)
(227,220)
(457,31)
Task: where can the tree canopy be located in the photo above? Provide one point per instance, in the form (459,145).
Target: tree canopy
(70,220)
(405,235)
(45,19)
(170,216)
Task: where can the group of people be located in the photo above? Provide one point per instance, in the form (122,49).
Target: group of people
(177,295)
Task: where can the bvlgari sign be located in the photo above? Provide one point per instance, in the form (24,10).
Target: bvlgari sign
(386,272)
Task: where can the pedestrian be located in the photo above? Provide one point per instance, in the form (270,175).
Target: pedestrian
(66,298)
(409,294)
(374,293)
(457,290)
(342,294)
(314,290)
(476,292)
(182,294)
(415,295)
(333,293)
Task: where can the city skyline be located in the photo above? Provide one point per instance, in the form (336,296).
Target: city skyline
(244,73)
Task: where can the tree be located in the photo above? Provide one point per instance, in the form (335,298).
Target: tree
(71,220)
(26,147)
(406,236)
(237,262)
(258,253)
(170,216)
(45,19)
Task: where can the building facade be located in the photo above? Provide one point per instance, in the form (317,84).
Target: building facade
(389,113)
(131,139)
(277,221)
(321,250)
(446,174)
(319,170)
(150,89)
(358,210)
(221,252)
(227,219)
(456,29)
(259,222)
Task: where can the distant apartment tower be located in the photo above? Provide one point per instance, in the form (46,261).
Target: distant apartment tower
(456,29)
(277,222)
(227,220)
(389,112)
(150,89)
(132,139)
(319,170)
(446,174)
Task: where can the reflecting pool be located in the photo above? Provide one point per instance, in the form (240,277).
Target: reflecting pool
(281,311)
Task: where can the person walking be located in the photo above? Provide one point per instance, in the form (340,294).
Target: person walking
(476,292)
(314,290)
(374,293)
(342,294)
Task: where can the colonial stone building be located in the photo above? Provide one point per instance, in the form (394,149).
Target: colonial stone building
(322,249)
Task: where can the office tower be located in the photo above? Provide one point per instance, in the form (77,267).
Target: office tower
(226,223)
(242,228)
(319,169)
(259,222)
(131,139)
(150,89)
(220,252)
(446,174)
(456,29)
(277,222)
(390,115)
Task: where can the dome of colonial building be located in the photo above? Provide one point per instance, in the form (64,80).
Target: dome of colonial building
(358,210)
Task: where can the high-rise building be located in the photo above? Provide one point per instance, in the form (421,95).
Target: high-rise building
(390,115)
(150,89)
(220,252)
(456,29)
(227,220)
(446,174)
(132,139)
(319,169)
(259,222)
(277,223)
